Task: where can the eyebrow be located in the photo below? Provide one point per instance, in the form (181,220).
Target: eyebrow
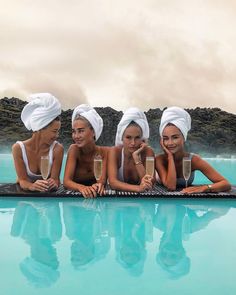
(78,128)
(177,134)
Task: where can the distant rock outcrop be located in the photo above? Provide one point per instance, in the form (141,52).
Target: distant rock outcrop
(213,130)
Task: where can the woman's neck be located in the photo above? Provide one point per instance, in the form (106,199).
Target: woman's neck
(90,149)
(36,143)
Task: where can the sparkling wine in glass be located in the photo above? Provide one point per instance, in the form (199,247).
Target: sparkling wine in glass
(45,169)
(150,165)
(186,169)
(97,167)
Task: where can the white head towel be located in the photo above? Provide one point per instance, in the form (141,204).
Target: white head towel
(177,116)
(42,109)
(132,114)
(92,116)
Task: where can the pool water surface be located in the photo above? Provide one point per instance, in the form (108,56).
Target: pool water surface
(117,246)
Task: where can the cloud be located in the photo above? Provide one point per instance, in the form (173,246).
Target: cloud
(120,53)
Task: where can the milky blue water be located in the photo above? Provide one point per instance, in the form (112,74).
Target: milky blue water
(117,246)
(122,246)
(227,167)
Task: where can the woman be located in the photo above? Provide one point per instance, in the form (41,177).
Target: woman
(41,115)
(79,172)
(126,165)
(174,127)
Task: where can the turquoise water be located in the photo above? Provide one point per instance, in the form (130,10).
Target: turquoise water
(117,246)
(122,246)
(227,167)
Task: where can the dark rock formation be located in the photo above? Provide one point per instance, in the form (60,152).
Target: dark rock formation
(213,130)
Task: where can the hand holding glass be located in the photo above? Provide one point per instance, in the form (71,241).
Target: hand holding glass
(97,167)
(45,169)
(150,165)
(186,169)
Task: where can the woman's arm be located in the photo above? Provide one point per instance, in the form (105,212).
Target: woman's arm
(139,157)
(115,183)
(54,180)
(25,183)
(68,182)
(166,169)
(167,174)
(220,184)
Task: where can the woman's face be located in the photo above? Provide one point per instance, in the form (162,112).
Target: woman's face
(132,138)
(173,139)
(51,133)
(82,133)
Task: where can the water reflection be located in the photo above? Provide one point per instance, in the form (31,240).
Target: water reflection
(169,218)
(121,227)
(85,226)
(39,225)
(131,226)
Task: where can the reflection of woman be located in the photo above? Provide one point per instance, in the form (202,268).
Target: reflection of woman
(39,224)
(41,116)
(130,239)
(171,257)
(79,173)
(174,126)
(126,165)
(84,226)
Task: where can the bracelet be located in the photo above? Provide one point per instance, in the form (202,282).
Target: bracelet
(138,162)
(209,188)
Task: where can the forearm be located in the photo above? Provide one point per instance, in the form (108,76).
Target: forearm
(171,177)
(119,185)
(220,186)
(25,184)
(140,169)
(72,185)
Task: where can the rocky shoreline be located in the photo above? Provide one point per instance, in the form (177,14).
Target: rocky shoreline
(213,130)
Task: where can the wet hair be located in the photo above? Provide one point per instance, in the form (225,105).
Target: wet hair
(58,118)
(171,124)
(81,118)
(132,123)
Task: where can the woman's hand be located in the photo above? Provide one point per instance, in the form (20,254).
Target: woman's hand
(166,151)
(146,183)
(52,184)
(195,189)
(99,187)
(136,154)
(39,186)
(88,191)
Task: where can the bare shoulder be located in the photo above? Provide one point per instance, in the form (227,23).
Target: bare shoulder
(197,161)
(104,149)
(73,150)
(15,147)
(149,150)
(59,147)
(160,157)
(115,152)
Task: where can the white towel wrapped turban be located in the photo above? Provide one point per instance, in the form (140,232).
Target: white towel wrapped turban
(178,117)
(132,114)
(91,115)
(42,109)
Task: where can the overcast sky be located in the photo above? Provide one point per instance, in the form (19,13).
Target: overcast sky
(145,53)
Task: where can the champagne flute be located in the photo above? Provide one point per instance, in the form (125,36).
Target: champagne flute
(97,167)
(150,165)
(45,169)
(186,169)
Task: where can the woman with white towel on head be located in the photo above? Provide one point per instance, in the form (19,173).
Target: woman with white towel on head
(126,161)
(174,126)
(42,116)
(79,174)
